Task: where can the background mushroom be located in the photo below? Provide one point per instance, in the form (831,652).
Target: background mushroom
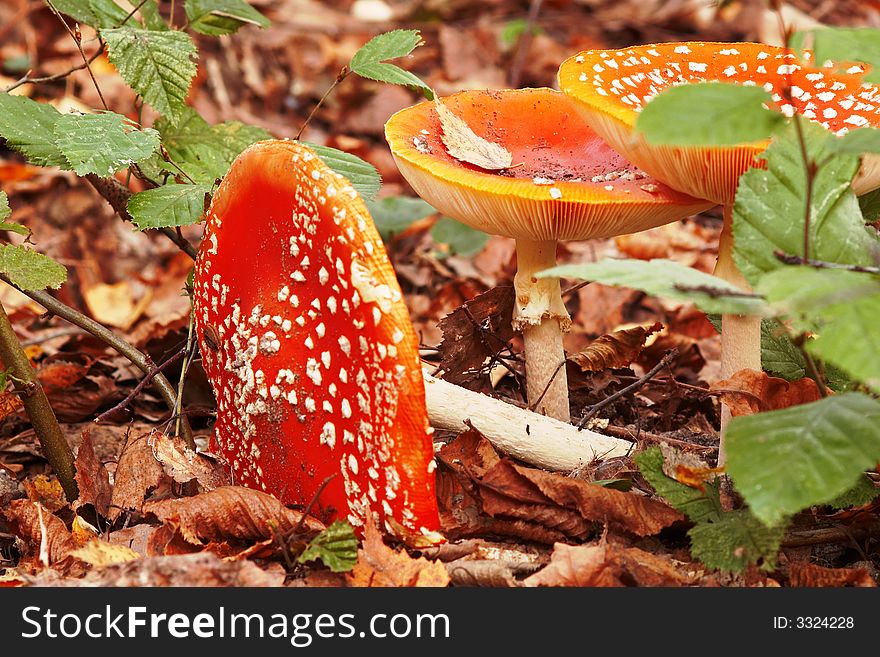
(612,86)
(565,183)
(309,347)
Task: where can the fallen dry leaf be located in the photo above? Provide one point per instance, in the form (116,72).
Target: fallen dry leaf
(811,575)
(465,145)
(687,468)
(380,566)
(183,465)
(137,473)
(45,532)
(749,391)
(100,554)
(604,564)
(614,350)
(231,512)
(92,477)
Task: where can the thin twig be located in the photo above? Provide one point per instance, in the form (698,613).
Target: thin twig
(188,352)
(311,504)
(148,377)
(812,370)
(77,39)
(591,411)
(57,76)
(523,44)
(339,78)
(822,264)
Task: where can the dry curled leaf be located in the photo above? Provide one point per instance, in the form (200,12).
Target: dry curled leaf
(47,491)
(604,564)
(749,391)
(811,575)
(380,566)
(137,473)
(46,533)
(231,512)
(92,477)
(614,350)
(465,145)
(686,468)
(100,554)
(183,464)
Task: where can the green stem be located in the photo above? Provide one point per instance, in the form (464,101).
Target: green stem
(41,415)
(140,360)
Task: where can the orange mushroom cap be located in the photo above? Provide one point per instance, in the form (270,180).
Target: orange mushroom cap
(565,182)
(612,86)
(309,348)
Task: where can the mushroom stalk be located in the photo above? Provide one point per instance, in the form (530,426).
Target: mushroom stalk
(535,439)
(740,334)
(541,316)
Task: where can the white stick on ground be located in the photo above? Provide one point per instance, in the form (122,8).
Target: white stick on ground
(542,441)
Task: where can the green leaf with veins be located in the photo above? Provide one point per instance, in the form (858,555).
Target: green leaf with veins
(30,270)
(698,505)
(96,13)
(5,213)
(336,547)
(28,127)
(102,143)
(768,215)
(168,206)
(735,541)
(864,492)
(784,461)
(362,175)
(221,17)
(370,60)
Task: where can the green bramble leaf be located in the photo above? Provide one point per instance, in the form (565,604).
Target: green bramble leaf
(709,114)
(784,461)
(459,239)
(698,505)
(864,492)
(768,215)
(28,127)
(158,65)
(30,270)
(336,547)
(102,143)
(5,212)
(735,541)
(843,45)
(362,175)
(203,151)
(221,17)
(665,278)
(394,214)
(96,13)
(151,16)
(370,60)
(169,205)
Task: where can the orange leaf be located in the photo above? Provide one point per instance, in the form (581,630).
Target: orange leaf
(614,350)
(748,392)
(812,575)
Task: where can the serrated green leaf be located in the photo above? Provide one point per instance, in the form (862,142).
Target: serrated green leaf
(221,17)
(363,176)
(394,214)
(97,13)
(203,151)
(698,505)
(864,492)
(102,143)
(336,547)
(779,355)
(370,60)
(158,65)
(665,278)
(735,541)
(841,307)
(30,270)
(784,461)
(5,210)
(843,45)
(870,205)
(28,127)
(709,114)
(169,205)
(769,212)
(460,239)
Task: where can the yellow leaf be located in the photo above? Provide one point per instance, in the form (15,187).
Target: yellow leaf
(100,553)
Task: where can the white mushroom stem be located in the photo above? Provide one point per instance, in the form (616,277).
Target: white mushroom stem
(540,314)
(527,436)
(740,334)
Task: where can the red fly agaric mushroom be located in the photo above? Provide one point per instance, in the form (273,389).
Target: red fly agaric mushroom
(564,183)
(612,86)
(309,347)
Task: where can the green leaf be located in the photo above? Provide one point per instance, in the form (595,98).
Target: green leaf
(779,355)
(870,205)
(97,13)
(169,205)
(394,214)
(665,278)
(369,61)
(30,270)
(843,45)
(152,17)
(102,143)
(460,239)
(203,151)
(362,175)
(158,65)
(735,541)
(841,307)
(220,17)
(5,210)
(709,114)
(336,547)
(864,492)
(28,126)
(783,461)
(769,212)
(856,142)
(698,505)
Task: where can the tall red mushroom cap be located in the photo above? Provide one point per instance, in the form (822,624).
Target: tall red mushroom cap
(612,87)
(309,347)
